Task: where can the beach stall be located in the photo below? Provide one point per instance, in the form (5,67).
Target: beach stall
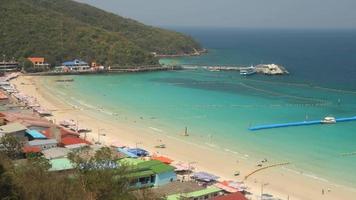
(204,177)
(231,186)
(127,153)
(138,152)
(163,159)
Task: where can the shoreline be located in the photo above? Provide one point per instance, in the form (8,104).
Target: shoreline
(130,134)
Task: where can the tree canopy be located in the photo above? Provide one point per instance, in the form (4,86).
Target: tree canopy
(62,30)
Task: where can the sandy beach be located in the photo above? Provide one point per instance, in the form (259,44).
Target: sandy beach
(279,181)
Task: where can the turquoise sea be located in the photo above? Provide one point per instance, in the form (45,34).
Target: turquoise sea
(219,107)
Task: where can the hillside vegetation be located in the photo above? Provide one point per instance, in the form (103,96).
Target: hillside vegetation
(65,29)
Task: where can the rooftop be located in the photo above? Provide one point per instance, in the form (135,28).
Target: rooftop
(42,142)
(194,194)
(73,140)
(55,153)
(203,192)
(29,149)
(177,187)
(142,167)
(156,166)
(35,134)
(60,164)
(13,127)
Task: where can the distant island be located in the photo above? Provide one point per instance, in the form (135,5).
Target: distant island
(66,30)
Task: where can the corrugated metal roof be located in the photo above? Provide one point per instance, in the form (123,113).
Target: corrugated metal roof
(13,127)
(61,164)
(35,134)
(29,149)
(73,140)
(203,192)
(76,146)
(42,142)
(55,153)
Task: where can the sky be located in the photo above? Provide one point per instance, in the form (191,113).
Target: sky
(295,14)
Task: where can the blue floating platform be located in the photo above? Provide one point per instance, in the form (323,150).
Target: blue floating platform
(303,123)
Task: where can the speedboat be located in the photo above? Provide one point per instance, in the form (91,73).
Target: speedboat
(328,120)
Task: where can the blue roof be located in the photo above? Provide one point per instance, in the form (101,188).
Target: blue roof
(138,152)
(35,134)
(74,62)
(129,154)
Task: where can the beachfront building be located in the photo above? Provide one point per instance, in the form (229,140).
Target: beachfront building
(151,173)
(15,129)
(38,62)
(9,66)
(43,144)
(75,65)
(204,194)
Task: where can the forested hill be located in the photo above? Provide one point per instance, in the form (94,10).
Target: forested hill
(65,29)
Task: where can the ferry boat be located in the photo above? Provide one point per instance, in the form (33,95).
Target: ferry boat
(248,71)
(328,120)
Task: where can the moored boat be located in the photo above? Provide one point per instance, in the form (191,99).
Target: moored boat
(328,120)
(248,71)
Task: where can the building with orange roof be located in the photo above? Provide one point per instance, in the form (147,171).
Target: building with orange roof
(38,62)
(31,149)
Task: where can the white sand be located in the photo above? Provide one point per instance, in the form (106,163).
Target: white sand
(278,181)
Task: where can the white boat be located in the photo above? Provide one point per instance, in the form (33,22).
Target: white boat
(248,71)
(328,120)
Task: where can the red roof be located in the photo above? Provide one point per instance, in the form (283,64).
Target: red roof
(29,149)
(67,132)
(163,159)
(233,196)
(47,133)
(73,140)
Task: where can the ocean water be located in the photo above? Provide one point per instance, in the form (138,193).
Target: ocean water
(219,107)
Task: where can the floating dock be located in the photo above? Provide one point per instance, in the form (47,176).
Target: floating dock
(303,123)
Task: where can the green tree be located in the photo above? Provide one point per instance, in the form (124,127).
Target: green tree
(8,189)
(11,146)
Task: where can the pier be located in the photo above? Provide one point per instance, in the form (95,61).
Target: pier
(267,69)
(303,123)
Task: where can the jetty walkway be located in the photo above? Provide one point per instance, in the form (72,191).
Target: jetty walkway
(303,123)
